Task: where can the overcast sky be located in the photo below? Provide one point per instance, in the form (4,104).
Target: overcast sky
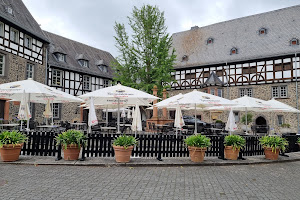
(91,21)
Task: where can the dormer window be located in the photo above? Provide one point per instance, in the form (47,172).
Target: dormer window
(233,51)
(61,57)
(294,41)
(103,68)
(185,58)
(209,41)
(28,42)
(83,63)
(9,10)
(262,31)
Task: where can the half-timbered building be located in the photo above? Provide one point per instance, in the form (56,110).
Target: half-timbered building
(256,56)
(76,68)
(22,52)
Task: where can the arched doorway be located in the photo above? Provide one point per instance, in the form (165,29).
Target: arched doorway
(261,125)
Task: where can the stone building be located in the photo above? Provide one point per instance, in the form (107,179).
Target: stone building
(28,52)
(22,51)
(256,56)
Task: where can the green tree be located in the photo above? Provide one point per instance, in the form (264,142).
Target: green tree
(146,57)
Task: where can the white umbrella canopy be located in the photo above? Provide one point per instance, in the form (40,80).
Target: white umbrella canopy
(119,95)
(24,111)
(39,93)
(128,114)
(178,122)
(169,102)
(278,106)
(92,116)
(136,121)
(231,125)
(48,113)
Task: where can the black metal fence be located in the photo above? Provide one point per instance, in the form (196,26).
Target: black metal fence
(149,145)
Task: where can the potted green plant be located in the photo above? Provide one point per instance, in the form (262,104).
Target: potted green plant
(233,144)
(285,128)
(11,143)
(246,127)
(197,145)
(272,145)
(298,141)
(123,146)
(71,141)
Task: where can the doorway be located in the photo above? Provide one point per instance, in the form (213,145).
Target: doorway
(2,104)
(261,125)
(261,121)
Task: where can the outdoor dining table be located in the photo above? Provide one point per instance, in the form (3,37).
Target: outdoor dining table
(47,127)
(9,126)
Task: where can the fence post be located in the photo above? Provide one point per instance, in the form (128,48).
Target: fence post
(221,147)
(82,154)
(58,153)
(159,147)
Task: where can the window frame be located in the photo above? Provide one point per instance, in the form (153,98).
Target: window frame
(279,91)
(84,82)
(56,107)
(30,42)
(282,120)
(32,72)
(55,76)
(3,65)
(82,63)
(2,30)
(246,92)
(59,56)
(16,35)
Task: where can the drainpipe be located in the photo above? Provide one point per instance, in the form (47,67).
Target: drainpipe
(297,92)
(227,82)
(46,71)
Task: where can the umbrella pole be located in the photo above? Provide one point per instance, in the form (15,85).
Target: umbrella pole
(106,115)
(28,119)
(195,132)
(52,114)
(118,119)
(21,125)
(246,122)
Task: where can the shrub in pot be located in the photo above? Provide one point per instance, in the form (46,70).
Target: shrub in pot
(233,144)
(123,146)
(285,128)
(11,143)
(197,145)
(71,141)
(272,145)
(246,127)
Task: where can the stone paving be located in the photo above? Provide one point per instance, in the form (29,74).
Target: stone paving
(261,181)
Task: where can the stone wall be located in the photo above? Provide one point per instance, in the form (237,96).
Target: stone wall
(263,92)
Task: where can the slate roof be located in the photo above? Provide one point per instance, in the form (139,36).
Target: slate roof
(213,79)
(75,50)
(242,33)
(21,18)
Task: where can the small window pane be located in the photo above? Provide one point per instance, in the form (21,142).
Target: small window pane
(212,91)
(275,92)
(27,42)
(14,35)
(236,116)
(220,92)
(55,111)
(57,78)
(280,119)
(86,82)
(29,70)
(2,65)
(283,92)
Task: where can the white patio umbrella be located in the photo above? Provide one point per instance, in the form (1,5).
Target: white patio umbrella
(129,114)
(136,121)
(201,100)
(119,95)
(231,125)
(24,111)
(169,102)
(178,122)
(92,115)
(48,112)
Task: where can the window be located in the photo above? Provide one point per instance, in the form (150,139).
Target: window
(86,82)
(103,68)
(220,72)
(249,70)
(280,119)
(206,74)
(29,70)
(57,77)
(106,83)
(84,63)
(28,42)
(294,41)
(56,111)
(190,76)
(2,64)
(262,31)
(212,91)
(61,57)
(233,51)
(236,116)
(9,10)
(246,91)
(209,41)
(1,29)
(220,92)
(279,92)
(14,35)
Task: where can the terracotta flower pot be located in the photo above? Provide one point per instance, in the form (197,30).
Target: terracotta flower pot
(197,153)
(122,155)
(72,152)
(10,152)
(231,154)
(271,155)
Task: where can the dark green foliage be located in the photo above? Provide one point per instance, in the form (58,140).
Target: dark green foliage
(125,141)
(285,125)
(274,142)
(71,137)
(219,121)
(197,141)
(298,141)
(12,137)
(146,58)
(249,119)
(236,141)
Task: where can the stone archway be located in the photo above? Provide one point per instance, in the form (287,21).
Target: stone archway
(261,121)
(261,125)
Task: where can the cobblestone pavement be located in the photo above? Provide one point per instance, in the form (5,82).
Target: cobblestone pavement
(267,181)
